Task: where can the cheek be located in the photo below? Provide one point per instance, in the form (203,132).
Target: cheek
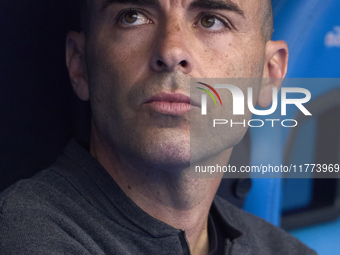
(114,66)
(119,55)
(232,57)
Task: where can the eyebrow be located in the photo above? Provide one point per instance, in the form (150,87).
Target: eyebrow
(217,5)
(202,4)
(153,3)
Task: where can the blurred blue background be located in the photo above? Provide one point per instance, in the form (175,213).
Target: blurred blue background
(312,31)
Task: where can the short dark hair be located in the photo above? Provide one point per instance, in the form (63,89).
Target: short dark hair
(78,19)
(84,15)
(267,21)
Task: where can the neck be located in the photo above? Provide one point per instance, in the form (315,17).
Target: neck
(175,198)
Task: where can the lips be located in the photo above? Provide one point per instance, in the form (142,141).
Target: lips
(169,103)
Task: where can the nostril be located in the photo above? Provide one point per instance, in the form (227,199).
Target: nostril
(183,63)
(160,64)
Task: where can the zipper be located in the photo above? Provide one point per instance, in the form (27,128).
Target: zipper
(184,242)
(227,246)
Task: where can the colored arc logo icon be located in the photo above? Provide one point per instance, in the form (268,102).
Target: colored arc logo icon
(208,86)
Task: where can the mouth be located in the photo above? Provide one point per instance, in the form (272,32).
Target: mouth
(170,103)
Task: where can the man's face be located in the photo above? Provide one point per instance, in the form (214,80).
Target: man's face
(140,53)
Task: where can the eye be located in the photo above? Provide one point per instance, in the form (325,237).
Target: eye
(212,22)
(133,18)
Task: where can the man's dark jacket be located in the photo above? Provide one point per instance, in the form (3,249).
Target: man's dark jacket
(75,207)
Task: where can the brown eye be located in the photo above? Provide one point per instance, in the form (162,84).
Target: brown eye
(134,18)
(211,22)
(130,17)
(208,21)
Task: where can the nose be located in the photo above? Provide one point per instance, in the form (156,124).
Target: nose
(171,52)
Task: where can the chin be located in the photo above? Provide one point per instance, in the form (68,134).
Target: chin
(167,153)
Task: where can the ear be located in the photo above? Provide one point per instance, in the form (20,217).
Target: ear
(275,69)
(75,61)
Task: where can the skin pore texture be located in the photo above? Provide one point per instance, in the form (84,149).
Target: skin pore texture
(133,50)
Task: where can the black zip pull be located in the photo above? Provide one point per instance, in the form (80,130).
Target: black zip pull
(227,246)
(184,243)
